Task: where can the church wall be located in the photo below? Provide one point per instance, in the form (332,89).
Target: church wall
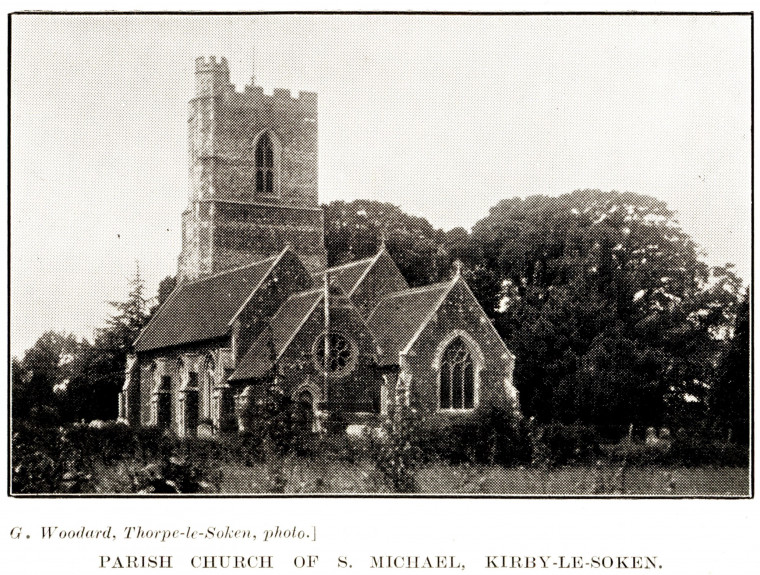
(460,311)
(244,233)
(360,388)
(167,363)
(382,278)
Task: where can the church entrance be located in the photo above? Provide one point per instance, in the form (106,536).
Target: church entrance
(305,411)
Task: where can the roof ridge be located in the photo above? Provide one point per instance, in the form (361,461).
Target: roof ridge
(349,264)
(450,286)
(409,291)
(276,260)
(418,289)
(228,271)
(371,265)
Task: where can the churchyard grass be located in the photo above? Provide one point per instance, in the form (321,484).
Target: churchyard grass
(320,477)
(116,460)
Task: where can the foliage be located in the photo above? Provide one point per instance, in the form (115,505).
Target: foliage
(491,435)
(64,379)
(608,306)
(559,444)
(170,475)
(730,400)
(276,426)
(354,230)
(396,453)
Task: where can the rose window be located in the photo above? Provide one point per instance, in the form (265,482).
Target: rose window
(340,353)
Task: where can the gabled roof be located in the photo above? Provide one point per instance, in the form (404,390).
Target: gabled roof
(285,324)
(203,309)
(349,275)
(400,316)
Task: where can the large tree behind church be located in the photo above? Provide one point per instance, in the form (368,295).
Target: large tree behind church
(610,309)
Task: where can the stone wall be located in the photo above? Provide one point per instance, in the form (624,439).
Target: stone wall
(359,388)
(461,314)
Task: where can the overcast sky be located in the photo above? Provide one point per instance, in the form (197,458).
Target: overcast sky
(441,115)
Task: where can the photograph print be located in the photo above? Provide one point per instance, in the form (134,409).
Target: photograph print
(381,255)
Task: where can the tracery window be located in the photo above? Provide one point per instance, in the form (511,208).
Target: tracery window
(457,377)
(341,353)
(264,166)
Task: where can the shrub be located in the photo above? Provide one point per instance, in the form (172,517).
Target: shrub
(395,451)
(491,435)
(687,451)
(170,475)
(559,444)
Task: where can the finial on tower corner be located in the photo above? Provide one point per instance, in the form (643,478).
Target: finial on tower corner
(457,268)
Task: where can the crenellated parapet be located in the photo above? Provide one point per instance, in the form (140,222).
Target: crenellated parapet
(212,78)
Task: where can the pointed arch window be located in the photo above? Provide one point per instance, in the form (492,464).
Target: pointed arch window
(264,156)
(457,377)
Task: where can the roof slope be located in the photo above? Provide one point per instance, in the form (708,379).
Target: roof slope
(400,315)
(202,309)
(349,275)
(284,326)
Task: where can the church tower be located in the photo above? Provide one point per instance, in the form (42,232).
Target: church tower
(253,176)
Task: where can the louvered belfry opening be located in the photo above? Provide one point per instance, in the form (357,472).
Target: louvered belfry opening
(264,166)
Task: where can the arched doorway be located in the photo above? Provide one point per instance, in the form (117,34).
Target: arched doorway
(304,415)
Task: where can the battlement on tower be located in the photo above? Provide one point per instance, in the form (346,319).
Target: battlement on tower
(212,78)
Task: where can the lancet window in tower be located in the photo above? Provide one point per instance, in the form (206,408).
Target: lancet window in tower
(264,166)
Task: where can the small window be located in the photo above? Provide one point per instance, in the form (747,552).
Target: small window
(341,353)
(264,156)
(457,377)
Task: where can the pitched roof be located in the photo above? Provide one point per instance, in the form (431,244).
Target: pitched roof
(202,309)
(284,326)
(349,275)
(399,316)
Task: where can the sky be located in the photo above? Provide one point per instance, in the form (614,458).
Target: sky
(441,115)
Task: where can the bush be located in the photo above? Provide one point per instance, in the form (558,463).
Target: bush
(491,435)
(395,451)
(683,451)
(559,444)
(170,475)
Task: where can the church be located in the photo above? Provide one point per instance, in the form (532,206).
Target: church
(256,306)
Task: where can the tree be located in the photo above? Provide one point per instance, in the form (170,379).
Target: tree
(105,363)
(730,404)
(36,377)
(607,304)
(355,230)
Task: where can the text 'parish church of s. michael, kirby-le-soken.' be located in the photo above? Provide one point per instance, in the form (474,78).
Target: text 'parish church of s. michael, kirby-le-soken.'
(255,305)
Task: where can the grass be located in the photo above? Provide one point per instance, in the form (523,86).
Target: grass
(304,476)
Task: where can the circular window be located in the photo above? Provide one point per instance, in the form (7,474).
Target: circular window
(341,353)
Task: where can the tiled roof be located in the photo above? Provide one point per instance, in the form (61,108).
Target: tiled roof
(284,326)
(348,275)
(202,309)
(399,316)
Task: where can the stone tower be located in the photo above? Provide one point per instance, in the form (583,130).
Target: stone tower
(253,176)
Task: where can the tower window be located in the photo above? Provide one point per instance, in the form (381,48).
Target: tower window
(264,165)
(457,379)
